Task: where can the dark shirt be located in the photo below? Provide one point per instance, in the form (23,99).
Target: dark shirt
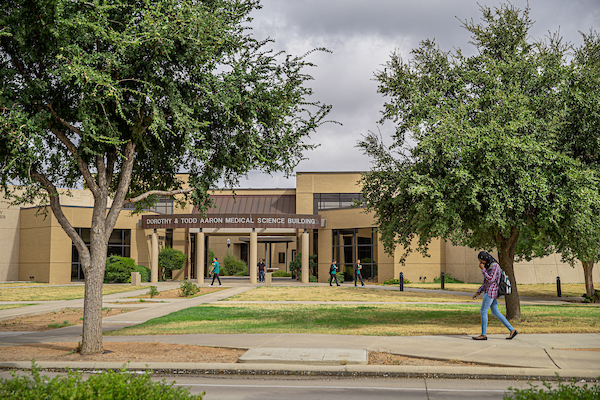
(261,266)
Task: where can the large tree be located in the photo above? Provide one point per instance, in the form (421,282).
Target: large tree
(578,237)
(121,95)
(474,156)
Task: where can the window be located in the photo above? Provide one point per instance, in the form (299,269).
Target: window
(281,258)
(119,244)
(331,201)
(164,205)
(352,244)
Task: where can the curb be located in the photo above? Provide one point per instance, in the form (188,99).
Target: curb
(386,371)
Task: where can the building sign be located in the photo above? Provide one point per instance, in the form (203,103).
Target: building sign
(171,221)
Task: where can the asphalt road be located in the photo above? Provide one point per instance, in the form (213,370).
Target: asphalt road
(234,388)
(302,388)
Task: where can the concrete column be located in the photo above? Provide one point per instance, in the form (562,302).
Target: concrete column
(154,258)
(253,255)
(305,247)
(200,256)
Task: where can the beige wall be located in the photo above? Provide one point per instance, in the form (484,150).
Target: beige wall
(308,183)
(9,242)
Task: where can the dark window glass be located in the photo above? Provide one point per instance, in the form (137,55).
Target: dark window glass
(281,258)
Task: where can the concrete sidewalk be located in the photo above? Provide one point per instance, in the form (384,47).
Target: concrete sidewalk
(528,356)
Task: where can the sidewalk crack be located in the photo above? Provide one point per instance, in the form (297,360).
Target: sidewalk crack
(551,359)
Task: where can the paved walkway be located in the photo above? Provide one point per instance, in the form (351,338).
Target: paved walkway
(528,356)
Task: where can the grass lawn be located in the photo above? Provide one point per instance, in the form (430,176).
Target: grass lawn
(9,306)
(58,292)
(274,293)
(378,320)
(537,290)
(15,284)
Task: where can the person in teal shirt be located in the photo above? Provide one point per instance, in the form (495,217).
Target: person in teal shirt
(215,271)
(333,273)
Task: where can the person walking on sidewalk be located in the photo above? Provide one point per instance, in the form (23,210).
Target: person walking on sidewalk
(358,273)
(490,269)
(333,273)
(215,271)
(261,270)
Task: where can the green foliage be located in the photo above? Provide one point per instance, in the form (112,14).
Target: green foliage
(170,259)
(211,256)
(296,264)
(119,269)
(562,391)
(144,272)
(313,279)
(281,274)
(233,266)
(447,279)
(187,288)
(395,281)
(152,291)
(592,299)
(107,385)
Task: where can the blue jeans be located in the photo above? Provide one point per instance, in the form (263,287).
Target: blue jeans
(261,276)
(493,304)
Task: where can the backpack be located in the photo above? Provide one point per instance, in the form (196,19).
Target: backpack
(504,285)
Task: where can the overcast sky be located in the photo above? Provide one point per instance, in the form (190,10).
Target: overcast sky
(361,35)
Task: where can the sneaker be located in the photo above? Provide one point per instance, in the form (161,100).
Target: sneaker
(220,285)
(210,285)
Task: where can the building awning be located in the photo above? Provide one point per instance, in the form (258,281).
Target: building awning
(252,204)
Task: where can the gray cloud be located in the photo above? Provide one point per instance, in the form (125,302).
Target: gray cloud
(362,34)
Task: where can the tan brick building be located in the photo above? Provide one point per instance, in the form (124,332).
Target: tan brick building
(34,247)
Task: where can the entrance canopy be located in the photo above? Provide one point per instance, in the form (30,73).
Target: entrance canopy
(224,221)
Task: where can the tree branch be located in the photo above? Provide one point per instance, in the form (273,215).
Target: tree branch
(157,193)
(124,181)
(62,121)
(58,213)
(83,166)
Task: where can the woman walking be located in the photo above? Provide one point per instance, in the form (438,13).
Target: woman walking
(491,275)
(358,273)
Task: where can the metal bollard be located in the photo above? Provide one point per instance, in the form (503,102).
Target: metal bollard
(401,282)
(442,279)
(558,291)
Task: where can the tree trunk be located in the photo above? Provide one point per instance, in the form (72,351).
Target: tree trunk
(588,267)
(92,307)
(506,254)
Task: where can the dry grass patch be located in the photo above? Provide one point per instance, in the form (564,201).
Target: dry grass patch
(21,284)
(537,290)
(51,293)
(9,306)
(341,294)
(52,320)
(175,293)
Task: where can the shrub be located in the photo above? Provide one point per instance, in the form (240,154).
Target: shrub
(144,272)
(170,259)
(187,288)
(592,299)
(119,269)
(296,264)
(394,281)
(107,385)
(447,279)
(153,291)
(560,392)
(233,266)
(281,274)
(313,279)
